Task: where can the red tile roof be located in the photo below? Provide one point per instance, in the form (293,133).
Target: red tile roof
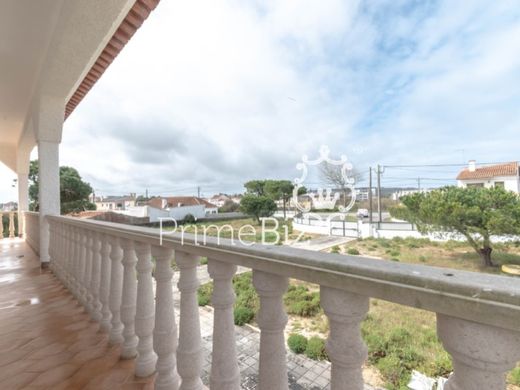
(133,20)
(508,169)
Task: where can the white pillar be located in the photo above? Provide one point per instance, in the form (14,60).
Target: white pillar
(95,280)
(104,288)
(482,354)
(129,297)
(271,321)
(49,192)
(225,374)
(345,347)
(145,312)
(165,331)
(23,201)
(116,288)
(189,352)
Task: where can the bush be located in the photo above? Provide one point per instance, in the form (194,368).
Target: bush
(352,251)
(203,261)
(297,343)
(514,376)
(242,315)
(335,249)
(189,218)
(300,301)
(316,348)
(204,294)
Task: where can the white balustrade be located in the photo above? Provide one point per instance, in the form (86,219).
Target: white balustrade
(345,347)
(108,268)
(165,331)
(95,280)
(189,352)
(116,291)
(271,320)
(11,224)
(224,365)
(104,287)
(145,312)
(128,303)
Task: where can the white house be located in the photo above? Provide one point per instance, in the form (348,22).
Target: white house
(113,203)
(499,175)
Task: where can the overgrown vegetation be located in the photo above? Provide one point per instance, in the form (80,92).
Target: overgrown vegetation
(297,343)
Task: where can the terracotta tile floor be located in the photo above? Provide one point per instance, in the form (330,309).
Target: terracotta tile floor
(46,339)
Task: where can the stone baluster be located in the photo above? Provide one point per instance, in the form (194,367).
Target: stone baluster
(128,304)
(53,264)
(345,347)
(61,247)
(271,320)
(11,224)
(1,225)
(104,287)
(225,374)
(116,288)
(70,257)
(482,354)
(165,331)
(189,352)
(76,263)
(88,271)
(95,280)
(145,312)
(83,241)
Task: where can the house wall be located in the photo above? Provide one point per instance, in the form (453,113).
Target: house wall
(511,183)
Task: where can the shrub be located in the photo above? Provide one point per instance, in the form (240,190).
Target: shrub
(297,343)
(352,251)
(242,315)
(204,294)
(203,261)
(394,253)
(514,376)
(316,348)
(189,218)
(335,249)
(300,301)
(422,259)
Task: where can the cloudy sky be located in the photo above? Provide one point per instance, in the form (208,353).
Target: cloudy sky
(213,93)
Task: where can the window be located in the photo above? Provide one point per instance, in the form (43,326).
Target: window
(499,184)
(475,184)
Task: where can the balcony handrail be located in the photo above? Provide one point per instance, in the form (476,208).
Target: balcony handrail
(483,298)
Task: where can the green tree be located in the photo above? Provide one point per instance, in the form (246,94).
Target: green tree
(279,190)
(229,206)
(74,192)
(257,206)
(255,187)
(475,213)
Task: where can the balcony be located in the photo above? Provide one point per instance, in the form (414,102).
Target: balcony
(106,312)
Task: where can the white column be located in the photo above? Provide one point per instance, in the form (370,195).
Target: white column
(83,242)
(95,281)
(88,271)
(225,374)
(345,347)
(23,201)
(271,321)
(145,312)
(116,288)
(11,224)
(129,297)
(165,331)
(482,354)
(104,288)
(49,192)
(189,352)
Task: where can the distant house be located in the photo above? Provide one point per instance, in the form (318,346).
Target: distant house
(9,206)
(200,206)
(399,194)
(112,203)
(501,175)
(218,200)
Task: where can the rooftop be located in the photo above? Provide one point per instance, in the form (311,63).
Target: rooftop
(508,169)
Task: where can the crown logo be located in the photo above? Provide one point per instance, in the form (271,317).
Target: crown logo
(323,199)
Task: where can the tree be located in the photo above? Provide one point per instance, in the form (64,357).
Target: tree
(74,192)
(279,190)
(331,174)
(229,206)
(255,187)
(475,213)
(257,206)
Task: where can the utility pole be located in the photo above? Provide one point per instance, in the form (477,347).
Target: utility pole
(370,195)
(419,184)
(379,193)
(146,192)
(198,192)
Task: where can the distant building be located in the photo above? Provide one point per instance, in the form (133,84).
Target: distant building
(9,206)
(202,206)
(112,203)
(501,175)
(362,193)
(399,194)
